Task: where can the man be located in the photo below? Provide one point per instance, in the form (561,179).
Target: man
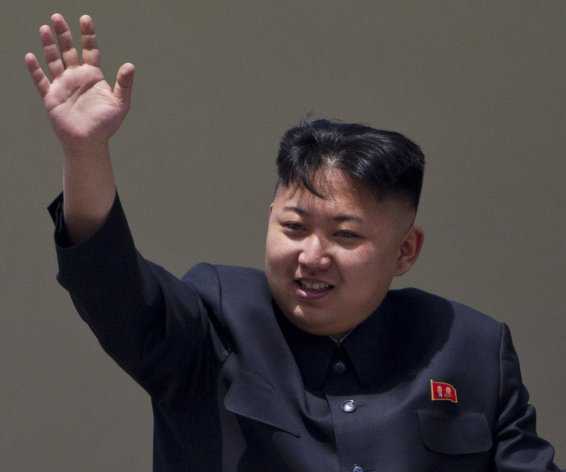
(314,364)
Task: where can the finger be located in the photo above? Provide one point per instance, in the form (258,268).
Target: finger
(69,53)
(37,75)
(124,82)
(91,53)
(52,58)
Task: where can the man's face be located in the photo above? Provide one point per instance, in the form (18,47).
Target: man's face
(329,262)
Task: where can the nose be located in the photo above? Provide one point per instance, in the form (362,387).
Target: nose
(314,254)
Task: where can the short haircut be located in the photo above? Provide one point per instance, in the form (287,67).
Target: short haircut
(387,162)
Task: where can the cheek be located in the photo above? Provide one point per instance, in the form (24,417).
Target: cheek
(278,253)
(270,244)
(367,265)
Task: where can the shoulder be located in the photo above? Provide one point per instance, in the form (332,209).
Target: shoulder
(224,284)
(205,273)
(237,300)
(425,302)
(418,310)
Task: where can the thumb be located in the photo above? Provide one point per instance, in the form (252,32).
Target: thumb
(124,82)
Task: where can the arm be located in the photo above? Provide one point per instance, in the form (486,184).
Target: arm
(153,325)
(145,318)
(518,447)
(84,112)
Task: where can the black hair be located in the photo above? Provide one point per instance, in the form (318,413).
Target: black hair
(388,163)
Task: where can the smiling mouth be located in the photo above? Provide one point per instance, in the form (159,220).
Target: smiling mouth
(313,286)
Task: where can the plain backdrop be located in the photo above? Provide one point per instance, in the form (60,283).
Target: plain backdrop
(480,85)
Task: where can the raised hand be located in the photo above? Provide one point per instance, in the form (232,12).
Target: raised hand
(82,108)
(84,112)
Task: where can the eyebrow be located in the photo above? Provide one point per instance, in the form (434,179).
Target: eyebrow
(338,218)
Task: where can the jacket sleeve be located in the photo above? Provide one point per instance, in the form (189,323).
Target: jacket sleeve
(517,445)
(152,324)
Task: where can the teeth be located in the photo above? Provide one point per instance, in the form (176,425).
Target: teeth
(314,286)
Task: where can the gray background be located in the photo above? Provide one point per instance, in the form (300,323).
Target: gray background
(479,84)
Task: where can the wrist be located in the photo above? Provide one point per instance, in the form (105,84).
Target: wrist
(86,150)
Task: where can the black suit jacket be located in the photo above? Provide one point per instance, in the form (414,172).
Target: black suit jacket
(234,387)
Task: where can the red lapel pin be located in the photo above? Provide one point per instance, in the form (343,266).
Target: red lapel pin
(443,391)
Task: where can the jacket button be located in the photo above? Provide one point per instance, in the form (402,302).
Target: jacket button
(339,368)
(349,406)
(357,468)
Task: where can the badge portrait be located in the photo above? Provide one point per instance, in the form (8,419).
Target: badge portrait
(248,272)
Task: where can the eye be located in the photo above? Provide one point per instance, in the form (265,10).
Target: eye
(346,234)
(293,227)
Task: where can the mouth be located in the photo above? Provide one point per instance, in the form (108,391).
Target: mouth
(312,289)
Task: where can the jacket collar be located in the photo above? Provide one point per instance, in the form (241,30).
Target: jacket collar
(368,348)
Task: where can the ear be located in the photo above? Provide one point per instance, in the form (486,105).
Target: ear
(270,209)
(409,250)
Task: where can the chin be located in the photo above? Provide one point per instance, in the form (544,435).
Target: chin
(310,322)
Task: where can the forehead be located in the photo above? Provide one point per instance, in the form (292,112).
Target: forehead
(332,186)
(341,197)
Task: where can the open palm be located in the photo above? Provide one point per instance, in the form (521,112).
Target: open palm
(82,107)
